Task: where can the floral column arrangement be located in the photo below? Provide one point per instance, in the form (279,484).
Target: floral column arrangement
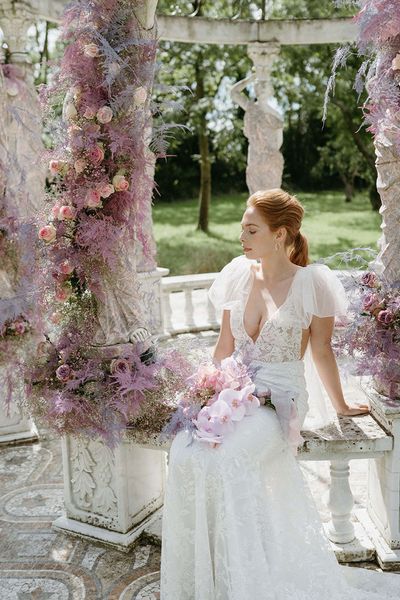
(374,338)
(95,368)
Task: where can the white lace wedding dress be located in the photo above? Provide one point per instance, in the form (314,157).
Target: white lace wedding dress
(239,521)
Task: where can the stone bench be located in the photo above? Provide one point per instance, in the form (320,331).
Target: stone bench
(114,497)
(346,438)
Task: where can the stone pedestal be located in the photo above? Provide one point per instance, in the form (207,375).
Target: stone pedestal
(382,518)
(111,496)
(14,427)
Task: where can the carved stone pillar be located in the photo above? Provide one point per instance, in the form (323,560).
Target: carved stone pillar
(383,502)
(22,177)
(388,185)
(114,495)
(263,124)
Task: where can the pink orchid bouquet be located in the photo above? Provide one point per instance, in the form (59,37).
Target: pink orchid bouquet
(215,400)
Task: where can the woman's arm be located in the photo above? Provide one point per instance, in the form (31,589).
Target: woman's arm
(226,342)
(325,361)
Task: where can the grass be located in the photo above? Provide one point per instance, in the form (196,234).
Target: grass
(330,224)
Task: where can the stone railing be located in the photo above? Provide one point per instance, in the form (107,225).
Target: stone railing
(185,305)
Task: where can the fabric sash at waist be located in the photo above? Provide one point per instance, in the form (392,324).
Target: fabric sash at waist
(284,383)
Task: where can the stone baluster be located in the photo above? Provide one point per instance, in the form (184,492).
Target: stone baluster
(263,124)
(189,311)
(23,175)
(340,529)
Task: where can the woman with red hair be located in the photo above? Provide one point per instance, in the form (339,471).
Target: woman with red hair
(239,522)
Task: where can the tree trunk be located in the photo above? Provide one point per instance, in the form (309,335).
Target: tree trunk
(204,151)
(348,183)
(205,180)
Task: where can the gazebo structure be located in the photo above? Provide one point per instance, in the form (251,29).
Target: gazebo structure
(104,499)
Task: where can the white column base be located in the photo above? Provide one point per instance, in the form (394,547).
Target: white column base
(120,541)
(388,558)
(15,428)
(111,495)
(361,549)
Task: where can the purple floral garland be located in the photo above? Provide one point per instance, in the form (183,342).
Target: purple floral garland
(100,171)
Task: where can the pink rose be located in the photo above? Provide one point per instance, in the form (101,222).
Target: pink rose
(66,268)
(119,365)
(48,233)
(104,114)
(92,128)
(396,63)
(55,167)
(96,154)
(106,190)
(90,112)
(80,165)
(385,316)
(67,213)
(19,327)
(64,372)
(91,50)
(93,199)
(63,293)
(56,211)
(370,302)
(140,96)
(369,279)
(120,183)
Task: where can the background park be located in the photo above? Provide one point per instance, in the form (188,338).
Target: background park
(202,189)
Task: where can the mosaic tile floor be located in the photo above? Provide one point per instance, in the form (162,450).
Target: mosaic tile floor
(38,563)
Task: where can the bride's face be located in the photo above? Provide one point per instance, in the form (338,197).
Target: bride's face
(257,239)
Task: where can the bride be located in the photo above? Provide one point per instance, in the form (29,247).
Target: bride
(239,521)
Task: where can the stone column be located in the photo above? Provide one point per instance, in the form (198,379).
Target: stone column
(263,124)
(22,178)
(383,503)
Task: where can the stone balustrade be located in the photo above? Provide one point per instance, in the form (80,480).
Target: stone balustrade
(185,304)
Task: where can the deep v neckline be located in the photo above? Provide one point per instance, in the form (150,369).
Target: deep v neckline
(252,274)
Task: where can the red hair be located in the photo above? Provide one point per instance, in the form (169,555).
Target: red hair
(280,209)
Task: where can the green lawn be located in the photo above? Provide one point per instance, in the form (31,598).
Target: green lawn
(330,224)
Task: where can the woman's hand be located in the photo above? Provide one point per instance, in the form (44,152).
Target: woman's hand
(352,411)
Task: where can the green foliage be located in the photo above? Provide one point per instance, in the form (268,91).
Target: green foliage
(338,154)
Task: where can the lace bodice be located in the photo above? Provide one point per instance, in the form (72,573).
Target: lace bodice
(315,290)
(279,339)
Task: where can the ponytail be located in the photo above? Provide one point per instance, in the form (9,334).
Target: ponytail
(299,253)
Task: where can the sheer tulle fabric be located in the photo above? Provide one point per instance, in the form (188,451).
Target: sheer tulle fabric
(239,522)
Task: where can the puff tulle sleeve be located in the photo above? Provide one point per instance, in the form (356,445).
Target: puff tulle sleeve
(230,284)
(321,294)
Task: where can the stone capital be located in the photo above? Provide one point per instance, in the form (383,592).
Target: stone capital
(15,20)
(145,13)
(263,55)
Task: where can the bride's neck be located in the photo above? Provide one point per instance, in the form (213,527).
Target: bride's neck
(275,269)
